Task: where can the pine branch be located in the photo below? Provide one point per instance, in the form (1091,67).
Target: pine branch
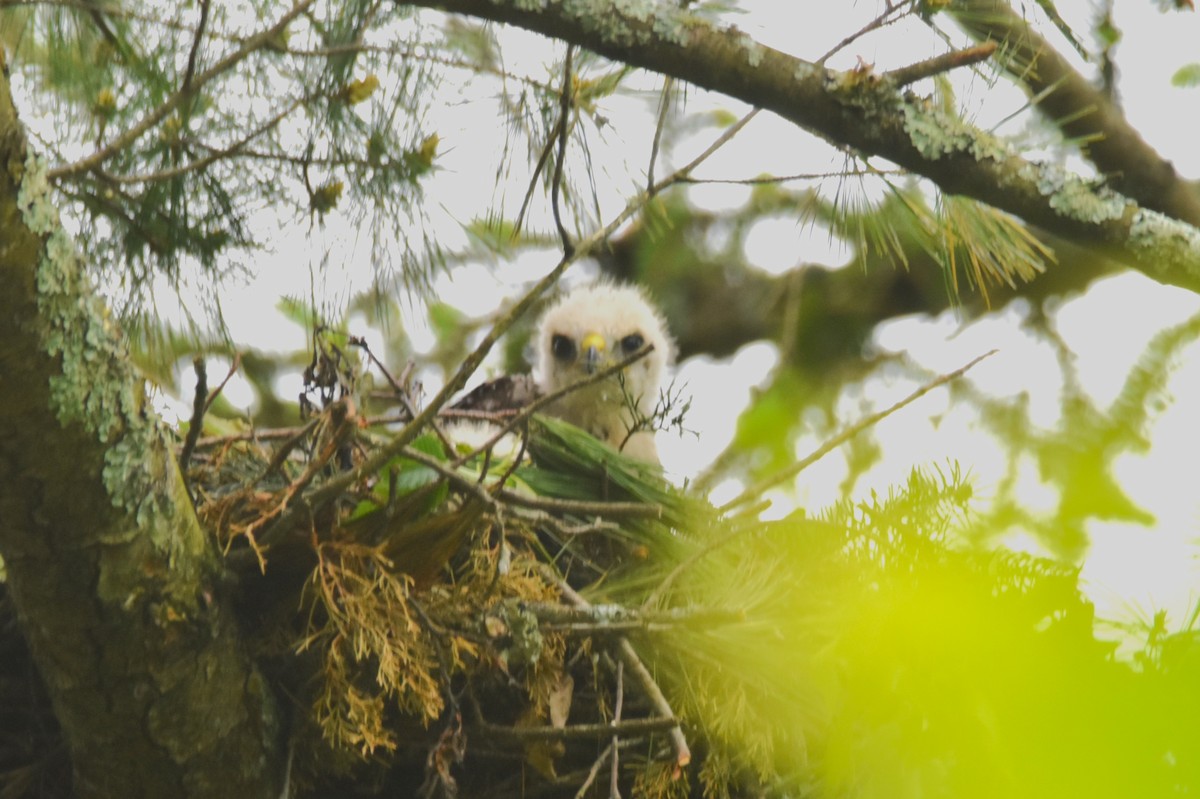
(189,90)
(235,148)
(1081,110)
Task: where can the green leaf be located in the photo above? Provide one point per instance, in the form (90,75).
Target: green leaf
(1187,76)
(402,476)
(446,320)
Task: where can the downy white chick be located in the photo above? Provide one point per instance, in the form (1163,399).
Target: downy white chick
(590,329)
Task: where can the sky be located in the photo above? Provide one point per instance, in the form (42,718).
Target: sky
(1131,569)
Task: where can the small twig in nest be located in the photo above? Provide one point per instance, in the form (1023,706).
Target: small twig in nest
(554,396)
(625,651)
(600,730)
(614,790)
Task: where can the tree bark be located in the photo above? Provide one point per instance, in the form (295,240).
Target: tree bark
(115,585)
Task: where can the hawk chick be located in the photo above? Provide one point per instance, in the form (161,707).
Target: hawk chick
(588,330)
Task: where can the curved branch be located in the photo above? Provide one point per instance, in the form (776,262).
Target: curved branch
(1082,111)
(869,114)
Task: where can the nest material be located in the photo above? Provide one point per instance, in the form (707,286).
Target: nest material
(559,621)
(427,615)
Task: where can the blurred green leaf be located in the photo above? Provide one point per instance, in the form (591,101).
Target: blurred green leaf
(1187,76)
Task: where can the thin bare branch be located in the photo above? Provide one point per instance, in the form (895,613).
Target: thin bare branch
(197,40)
(215,154)
(941,63)
(756,490)
(627,654)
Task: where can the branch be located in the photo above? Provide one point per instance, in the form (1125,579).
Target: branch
(869,114)
(628,656)
(941,63)
(850,432)
(116,585)
(250,46)
(1082,111)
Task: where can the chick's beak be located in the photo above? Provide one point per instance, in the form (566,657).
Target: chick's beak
(593,352)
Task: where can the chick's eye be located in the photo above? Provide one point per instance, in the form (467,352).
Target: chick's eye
(633,342)
(563,348)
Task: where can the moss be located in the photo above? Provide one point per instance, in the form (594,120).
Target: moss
(623,23)
(1164,244)
(935,134)
(1075,198)
(609,23)
(753,50)
(673,25)
(805,71)
(96,389)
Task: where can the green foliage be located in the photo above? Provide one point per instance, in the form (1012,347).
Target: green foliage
(960,234)
(1077,456)
(1187,76)
(872,649)
(878,655)
(287,121)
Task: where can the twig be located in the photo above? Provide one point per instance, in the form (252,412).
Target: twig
(273,434)
(614,791)
(563,128)
(626,652)
(611,619)
(554,396)
(664,104)
(581,507)
(844,436)
(199,403)
(594,771)
(888,17)
(402,393)
(186,86)
(251,45)
(575,731)
(282,452)
(214,154)
(945,62)
(216,392)
(766,180)
(558,135)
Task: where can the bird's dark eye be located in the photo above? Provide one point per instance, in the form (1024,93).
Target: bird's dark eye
(632,343)
(563,348)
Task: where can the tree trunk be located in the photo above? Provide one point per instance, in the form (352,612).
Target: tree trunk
(115,585)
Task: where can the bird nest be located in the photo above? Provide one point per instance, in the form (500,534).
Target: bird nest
(538,615)
(461,618)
